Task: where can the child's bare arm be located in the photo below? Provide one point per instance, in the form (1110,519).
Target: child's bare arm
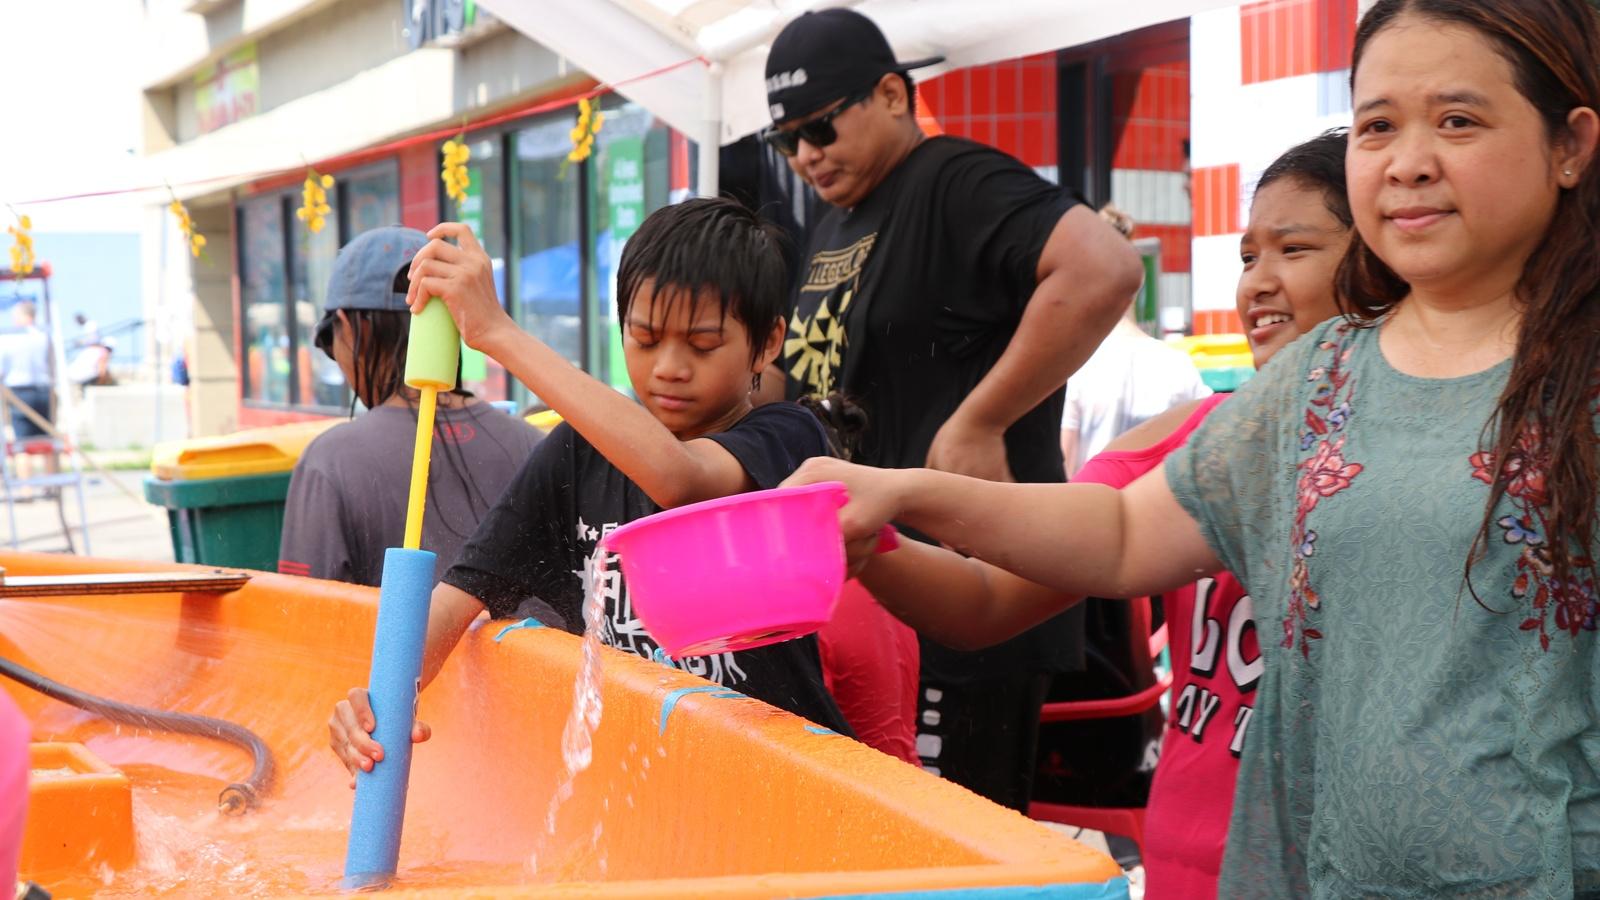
(1068,540)
(450,611)
(963,603)
(670,471)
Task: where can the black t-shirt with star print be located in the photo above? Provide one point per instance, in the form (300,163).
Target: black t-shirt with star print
(527,556)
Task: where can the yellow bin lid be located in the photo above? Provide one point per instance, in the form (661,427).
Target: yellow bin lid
(545,421)
(1219,351)
(257,451)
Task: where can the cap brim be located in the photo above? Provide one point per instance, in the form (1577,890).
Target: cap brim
(918,63)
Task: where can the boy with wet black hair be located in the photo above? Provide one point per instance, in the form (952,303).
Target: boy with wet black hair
(701,292)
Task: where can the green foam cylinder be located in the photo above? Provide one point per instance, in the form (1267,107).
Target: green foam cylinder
(434,350)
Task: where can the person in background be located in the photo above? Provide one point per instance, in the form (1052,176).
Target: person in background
(1129,379)
(950,291)
(25,368)
(347,496)
(1299,229)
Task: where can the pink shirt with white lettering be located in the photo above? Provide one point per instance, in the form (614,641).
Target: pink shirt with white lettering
(1216,664)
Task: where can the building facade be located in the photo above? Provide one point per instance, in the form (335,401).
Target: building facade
(241,96)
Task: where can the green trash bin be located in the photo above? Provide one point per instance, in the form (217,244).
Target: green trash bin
(224,496)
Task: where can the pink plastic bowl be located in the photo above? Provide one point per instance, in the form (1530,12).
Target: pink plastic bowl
(736,572)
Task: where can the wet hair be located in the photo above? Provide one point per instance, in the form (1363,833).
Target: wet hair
(1544,420)
(843,421)
(378,342)
(707,245)
(1317,164)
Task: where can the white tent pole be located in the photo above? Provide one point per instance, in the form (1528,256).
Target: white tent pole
(710,167)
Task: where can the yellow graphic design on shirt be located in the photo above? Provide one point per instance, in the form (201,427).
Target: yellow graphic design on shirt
(816,343)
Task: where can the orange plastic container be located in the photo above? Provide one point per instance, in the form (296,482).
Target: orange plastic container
(80,811)
(693,791)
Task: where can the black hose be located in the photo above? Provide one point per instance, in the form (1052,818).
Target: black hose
(235,799)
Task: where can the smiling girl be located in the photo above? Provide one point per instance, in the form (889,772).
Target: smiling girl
(1407,494)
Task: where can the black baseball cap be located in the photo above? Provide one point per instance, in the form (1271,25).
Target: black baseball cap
(824,56)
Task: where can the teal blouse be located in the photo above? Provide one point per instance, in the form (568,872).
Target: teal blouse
(1414,735)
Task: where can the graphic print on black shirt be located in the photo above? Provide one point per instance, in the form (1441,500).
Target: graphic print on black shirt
(535,542)
(908,301)
(815,347)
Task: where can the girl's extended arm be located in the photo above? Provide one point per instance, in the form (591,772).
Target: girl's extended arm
(670,471)
(1068,540)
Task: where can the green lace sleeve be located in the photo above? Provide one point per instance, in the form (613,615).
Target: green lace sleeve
(1236,474)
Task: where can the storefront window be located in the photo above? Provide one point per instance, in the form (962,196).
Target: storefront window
(263,273)
(484,209)
(629,178)
(369,199)
(317,377)
(548,296)
(283,365)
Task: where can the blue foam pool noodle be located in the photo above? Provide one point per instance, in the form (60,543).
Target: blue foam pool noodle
(402,630)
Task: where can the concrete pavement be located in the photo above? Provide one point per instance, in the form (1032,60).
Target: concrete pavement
(119,527)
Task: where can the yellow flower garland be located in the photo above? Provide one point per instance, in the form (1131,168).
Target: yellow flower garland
(22,247)
(314,200)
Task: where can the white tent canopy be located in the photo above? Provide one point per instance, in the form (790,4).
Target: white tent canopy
(722,99)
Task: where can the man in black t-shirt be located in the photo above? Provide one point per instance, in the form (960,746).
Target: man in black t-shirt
(950,291)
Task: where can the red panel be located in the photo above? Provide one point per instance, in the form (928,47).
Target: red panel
(955,87)
(1033,153)
(1033,96)
(1007,87)
(980,99)
(1175,248)
(1336,23)
(1008,136)
(419,188)
(1285,38)
(1216,200)
(981,131)
(931,92)
(1217,321)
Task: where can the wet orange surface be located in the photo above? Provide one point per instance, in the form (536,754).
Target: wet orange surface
(730,798)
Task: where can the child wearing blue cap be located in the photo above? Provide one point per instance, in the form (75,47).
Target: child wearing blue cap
(347,498)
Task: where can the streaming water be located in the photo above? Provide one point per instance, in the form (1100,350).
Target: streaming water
(577,736)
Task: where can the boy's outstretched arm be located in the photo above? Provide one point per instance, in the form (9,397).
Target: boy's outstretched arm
(670,471)
(1035,547)
(450,611)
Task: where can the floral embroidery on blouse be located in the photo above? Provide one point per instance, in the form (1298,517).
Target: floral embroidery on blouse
(1573,607)
(1324,473)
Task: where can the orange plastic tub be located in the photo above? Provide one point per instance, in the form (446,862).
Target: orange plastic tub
(692,792)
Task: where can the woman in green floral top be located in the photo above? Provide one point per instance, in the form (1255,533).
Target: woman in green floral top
(1408,494)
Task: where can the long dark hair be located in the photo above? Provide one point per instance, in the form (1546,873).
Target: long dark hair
(378,342)
(1545,417)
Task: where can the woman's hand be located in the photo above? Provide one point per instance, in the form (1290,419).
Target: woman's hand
(874,497)
(462,276)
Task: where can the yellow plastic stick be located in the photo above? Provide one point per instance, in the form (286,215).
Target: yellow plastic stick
(419,467)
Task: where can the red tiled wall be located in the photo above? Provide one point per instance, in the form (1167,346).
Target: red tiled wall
(1216,200)
(1217,321)
(1010,105)
(1284,38)
(1175,255)
(1151,118)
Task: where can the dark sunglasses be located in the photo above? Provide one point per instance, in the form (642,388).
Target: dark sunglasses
(818,132)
